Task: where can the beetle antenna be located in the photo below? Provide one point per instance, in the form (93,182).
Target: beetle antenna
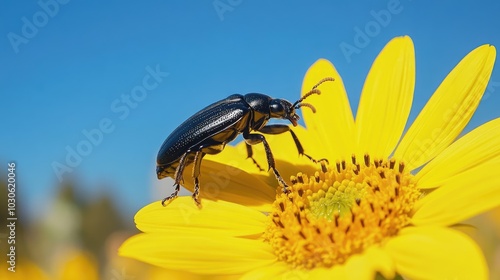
(314,90)
(311,92)
(306,105)
(331,79)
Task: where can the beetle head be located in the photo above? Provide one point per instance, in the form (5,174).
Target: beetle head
(282,109)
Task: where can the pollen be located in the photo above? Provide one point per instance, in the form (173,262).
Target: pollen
(340,211)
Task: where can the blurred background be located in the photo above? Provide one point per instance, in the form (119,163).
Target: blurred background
(90,89)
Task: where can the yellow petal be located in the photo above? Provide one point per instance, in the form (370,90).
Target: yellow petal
(381,262)
(332,124)
(449,109)
(197,253)
(284,148)
(335,272)
(368,263)
(475,148)
(358,267)
(461,196)
(158,273)
(436,253)
(276,270)
(288,161)
(236,156)
(386,99)
(78,266)
(226,181)
(217,218)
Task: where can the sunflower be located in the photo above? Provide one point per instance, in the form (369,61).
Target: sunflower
(384,204)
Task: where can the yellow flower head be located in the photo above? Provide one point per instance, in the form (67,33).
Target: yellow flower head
(383,203)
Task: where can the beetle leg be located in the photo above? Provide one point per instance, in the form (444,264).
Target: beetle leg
(250,155)
(196,173)
(178,178)
(281,128)
(252,139)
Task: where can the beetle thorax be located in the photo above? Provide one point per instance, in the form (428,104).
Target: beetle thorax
(259,105)
(264,107)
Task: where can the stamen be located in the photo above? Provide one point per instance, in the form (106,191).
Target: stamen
(323,167)
(401,167)
(335,213)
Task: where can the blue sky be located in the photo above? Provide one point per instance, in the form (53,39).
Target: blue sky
(135,70)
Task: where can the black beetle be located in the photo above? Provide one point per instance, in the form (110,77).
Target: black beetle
(209,130)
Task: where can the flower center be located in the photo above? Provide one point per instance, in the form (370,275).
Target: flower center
(340,211)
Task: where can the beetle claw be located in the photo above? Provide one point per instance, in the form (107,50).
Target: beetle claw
(166,201)
(286,190)
(172,196)
(316,160)
(257,164)
(197,201)
(196,192)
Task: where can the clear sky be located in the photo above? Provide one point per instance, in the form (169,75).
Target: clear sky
(111,79)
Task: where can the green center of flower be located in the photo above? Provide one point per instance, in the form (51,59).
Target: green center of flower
(340,211)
